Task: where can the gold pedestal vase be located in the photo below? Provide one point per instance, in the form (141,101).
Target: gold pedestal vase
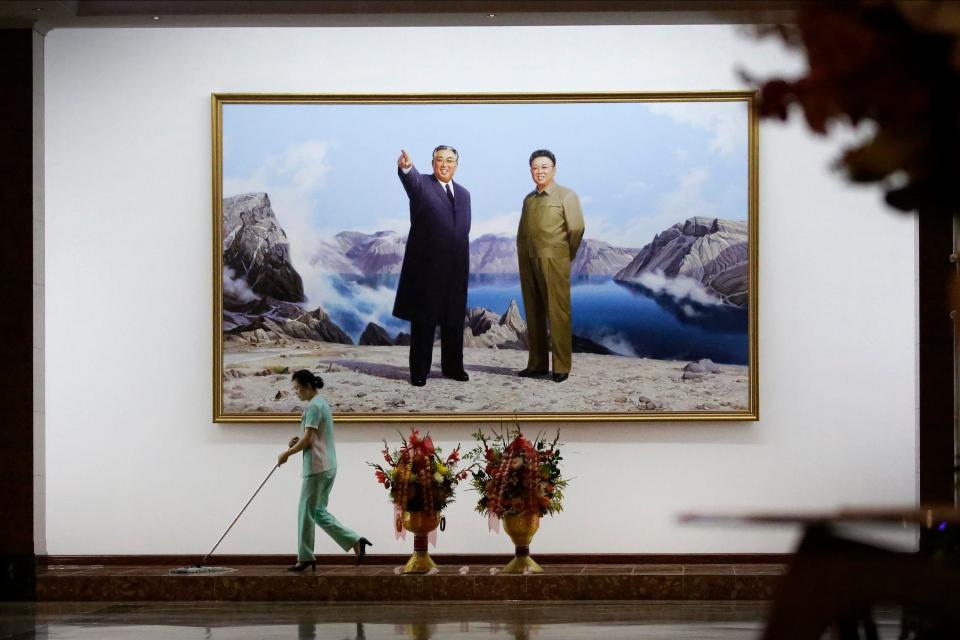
(521,527)
(420,523)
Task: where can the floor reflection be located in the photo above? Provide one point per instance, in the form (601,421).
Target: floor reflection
(372,621)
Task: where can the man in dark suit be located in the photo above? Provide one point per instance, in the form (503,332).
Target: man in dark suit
(433,279)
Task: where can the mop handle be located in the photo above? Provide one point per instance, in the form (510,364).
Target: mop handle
(275,467)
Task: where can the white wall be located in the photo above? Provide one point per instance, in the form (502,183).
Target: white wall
(133,462)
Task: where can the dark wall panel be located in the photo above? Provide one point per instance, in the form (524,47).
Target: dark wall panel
(17,566)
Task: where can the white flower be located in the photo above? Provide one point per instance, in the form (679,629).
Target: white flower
(438,477)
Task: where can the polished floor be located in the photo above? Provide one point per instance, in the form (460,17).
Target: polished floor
(375,583)
(370,621)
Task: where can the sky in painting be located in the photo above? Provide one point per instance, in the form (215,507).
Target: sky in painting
(637,167)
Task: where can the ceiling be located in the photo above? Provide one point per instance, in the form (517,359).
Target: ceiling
(45,15)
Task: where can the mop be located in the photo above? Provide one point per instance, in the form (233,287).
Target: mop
(200,568)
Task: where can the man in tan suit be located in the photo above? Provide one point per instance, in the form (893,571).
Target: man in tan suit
(551,227)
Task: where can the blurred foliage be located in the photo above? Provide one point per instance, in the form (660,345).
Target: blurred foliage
(891,62)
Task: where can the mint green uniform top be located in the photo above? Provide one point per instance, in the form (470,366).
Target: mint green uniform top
(322,454)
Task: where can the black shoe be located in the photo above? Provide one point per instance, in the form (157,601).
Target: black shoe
(459,376)
(560,377)
(362,553)
(417,381)
(530,373)
(302,565)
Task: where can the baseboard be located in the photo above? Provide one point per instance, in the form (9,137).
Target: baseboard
(439,558)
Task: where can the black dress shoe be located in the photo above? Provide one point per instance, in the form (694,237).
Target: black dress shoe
(560,377)
(362,552)
(530,373)
(302,565)
(459,376)
(418,382)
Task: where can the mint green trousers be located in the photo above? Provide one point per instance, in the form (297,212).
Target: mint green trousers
(314,493)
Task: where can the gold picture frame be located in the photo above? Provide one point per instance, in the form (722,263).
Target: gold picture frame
(237,336)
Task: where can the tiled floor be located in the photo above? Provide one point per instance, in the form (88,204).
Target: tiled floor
(382,582)
(370,621)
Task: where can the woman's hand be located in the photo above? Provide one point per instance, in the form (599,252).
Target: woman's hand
(282,458)
(294,440)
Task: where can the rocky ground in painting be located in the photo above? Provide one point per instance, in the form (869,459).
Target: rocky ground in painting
(365,379)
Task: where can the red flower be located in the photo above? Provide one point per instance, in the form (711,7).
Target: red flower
(454,456)
(414,438)
(428,446)
(381,477)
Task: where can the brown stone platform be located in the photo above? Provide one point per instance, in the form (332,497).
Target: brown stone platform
(378,582)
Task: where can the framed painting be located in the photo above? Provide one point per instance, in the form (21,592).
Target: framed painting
(478,257)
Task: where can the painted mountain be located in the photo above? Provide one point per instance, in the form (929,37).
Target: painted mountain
(711,251)
(351,252)
(688,267)
(262,292)
(256,248)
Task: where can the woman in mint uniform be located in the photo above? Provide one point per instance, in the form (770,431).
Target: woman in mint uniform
(319,472)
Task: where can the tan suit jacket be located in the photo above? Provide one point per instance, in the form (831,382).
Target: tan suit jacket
(551,223)
(551,228)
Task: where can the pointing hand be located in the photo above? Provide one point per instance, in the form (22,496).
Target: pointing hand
(404,161)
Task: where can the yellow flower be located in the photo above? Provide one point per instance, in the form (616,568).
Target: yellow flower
(441,469)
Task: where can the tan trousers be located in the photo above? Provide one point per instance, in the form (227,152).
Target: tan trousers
(545,284)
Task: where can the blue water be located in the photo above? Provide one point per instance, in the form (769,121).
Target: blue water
(628,319)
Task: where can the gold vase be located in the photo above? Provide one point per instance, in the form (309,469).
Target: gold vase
(521,527)
(420,523)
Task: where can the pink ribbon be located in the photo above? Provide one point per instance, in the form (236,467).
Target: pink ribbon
(398,530)
(493,522)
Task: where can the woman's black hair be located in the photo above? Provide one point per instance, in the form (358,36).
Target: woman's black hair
(308,378)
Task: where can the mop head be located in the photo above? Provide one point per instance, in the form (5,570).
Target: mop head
(195,569)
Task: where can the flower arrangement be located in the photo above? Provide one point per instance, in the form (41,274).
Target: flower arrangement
(418,477)
(517,476)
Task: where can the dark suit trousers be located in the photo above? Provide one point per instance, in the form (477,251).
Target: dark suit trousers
(421,348)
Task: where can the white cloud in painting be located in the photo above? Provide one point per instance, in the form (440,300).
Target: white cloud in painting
(680,288)
(726,121)
(302,167)
(369,304)
(305,165)
(615,341)
(501,224)
(687,199)
(690,312)
(236,288)
(599,226)
(291,179)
